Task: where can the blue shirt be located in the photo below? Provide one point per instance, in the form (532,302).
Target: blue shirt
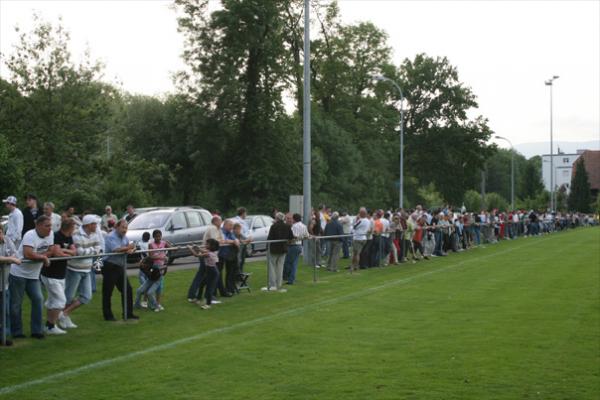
(114,241)
(225,249)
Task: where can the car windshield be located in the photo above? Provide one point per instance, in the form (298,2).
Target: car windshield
(149,220)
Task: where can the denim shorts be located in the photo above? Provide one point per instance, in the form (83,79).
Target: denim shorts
(78,282)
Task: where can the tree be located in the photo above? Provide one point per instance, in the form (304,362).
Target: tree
(472,201)
(531,181)
(580,198)
(495,201)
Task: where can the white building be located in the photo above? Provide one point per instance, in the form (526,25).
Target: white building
(563,168)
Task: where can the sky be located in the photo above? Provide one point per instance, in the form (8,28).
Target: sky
(503,50)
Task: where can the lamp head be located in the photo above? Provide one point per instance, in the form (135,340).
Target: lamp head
(379,77)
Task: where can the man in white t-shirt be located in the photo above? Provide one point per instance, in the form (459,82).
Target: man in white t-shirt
(36,247)
(14,227)
(361,227)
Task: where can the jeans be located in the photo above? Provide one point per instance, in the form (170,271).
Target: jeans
(78,282)
(195,290)
(477,236)
(290,265)
(149,288)
(93,280)
(375,251)
(211,275)
(231,274)
(346,247)
(114,276)
(18,287)
(7,308)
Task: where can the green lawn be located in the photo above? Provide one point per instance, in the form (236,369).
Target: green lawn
(516,320)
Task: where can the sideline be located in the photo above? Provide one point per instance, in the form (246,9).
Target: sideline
(225,329)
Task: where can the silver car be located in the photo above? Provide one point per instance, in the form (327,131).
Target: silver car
(258,227)
(179,225)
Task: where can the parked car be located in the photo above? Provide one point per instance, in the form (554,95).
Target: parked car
(258,226)
(179,225)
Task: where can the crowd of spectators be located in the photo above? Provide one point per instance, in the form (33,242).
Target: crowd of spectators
(65,252)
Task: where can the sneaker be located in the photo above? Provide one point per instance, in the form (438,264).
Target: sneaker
(215,301)
(65,322)
(144,304)
(282,290)
(190,300)
(160,307)
(205,307)
(55,331)
(157,309)
(38,335)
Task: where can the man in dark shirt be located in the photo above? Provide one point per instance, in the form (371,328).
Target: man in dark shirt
(30,213)
(334,228)
(277,251)
(53,276)
(131,214)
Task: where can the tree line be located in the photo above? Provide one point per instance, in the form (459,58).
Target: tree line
(231,134)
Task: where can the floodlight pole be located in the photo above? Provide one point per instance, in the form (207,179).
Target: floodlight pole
(306,169)
(549,82)
(401,194)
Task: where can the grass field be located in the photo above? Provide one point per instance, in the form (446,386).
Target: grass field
(516,320)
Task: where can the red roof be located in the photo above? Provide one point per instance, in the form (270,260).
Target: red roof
(591,158)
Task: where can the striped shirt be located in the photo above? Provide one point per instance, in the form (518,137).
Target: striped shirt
(86,245)
(300,232)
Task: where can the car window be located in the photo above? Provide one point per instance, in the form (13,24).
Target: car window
(206,216)
(178,221)
(194,219)
(150,220)
(258,223)
(268,220)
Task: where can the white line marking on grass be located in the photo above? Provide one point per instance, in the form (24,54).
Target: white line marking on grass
(294,311)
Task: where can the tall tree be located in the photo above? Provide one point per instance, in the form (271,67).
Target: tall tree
(531,183)
(580,198)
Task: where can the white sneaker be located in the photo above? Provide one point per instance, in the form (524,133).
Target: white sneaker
(65,322)
(161,308)
(192,300)
(157,309)
(144,304)
(205,307)
(282,290)
(55,331)
(216,302)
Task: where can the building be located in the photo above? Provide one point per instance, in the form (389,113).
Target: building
(591,160)
(563,169)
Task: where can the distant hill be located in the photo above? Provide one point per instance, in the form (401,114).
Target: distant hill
(538,148)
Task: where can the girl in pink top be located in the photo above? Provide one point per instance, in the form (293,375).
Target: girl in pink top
(159,260)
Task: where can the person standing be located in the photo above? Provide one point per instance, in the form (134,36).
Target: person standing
(228,259)
(131,214)
(290,264)
(87,241)
(113,272)
(244,236)
(7,256)
(54,217)
(361,227)
(53,276)
(108,216)
(199,281)
(347,228)
(14,227)
(30,213)
(334,228)
(37,246)
(277,251)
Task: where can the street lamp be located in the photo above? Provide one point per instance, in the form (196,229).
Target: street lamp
(549,83)
(512,172)
(383,78)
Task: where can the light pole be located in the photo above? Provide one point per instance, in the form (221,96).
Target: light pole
(512,172)
(383,78)
(549,83)
(306,151)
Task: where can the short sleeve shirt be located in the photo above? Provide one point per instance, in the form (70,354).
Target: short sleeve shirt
(58,269)
(29,269)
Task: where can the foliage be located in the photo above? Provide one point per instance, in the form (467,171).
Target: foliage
(429,197)
(580,198)
(472,201)
(496,201)
(531,184)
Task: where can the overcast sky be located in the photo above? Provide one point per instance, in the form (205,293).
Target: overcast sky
(504,50)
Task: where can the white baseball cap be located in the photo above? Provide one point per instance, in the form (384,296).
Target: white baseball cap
(89,219)
(10,200)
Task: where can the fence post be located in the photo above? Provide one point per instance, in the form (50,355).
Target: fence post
(4,306)
(315,260)
(125,289)
(268,266)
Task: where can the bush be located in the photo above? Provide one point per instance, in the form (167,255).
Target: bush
(495,201)
(472,201)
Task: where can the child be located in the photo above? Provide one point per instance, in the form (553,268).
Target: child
(153,275)
(159,260)
(142,275)
(212,272)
